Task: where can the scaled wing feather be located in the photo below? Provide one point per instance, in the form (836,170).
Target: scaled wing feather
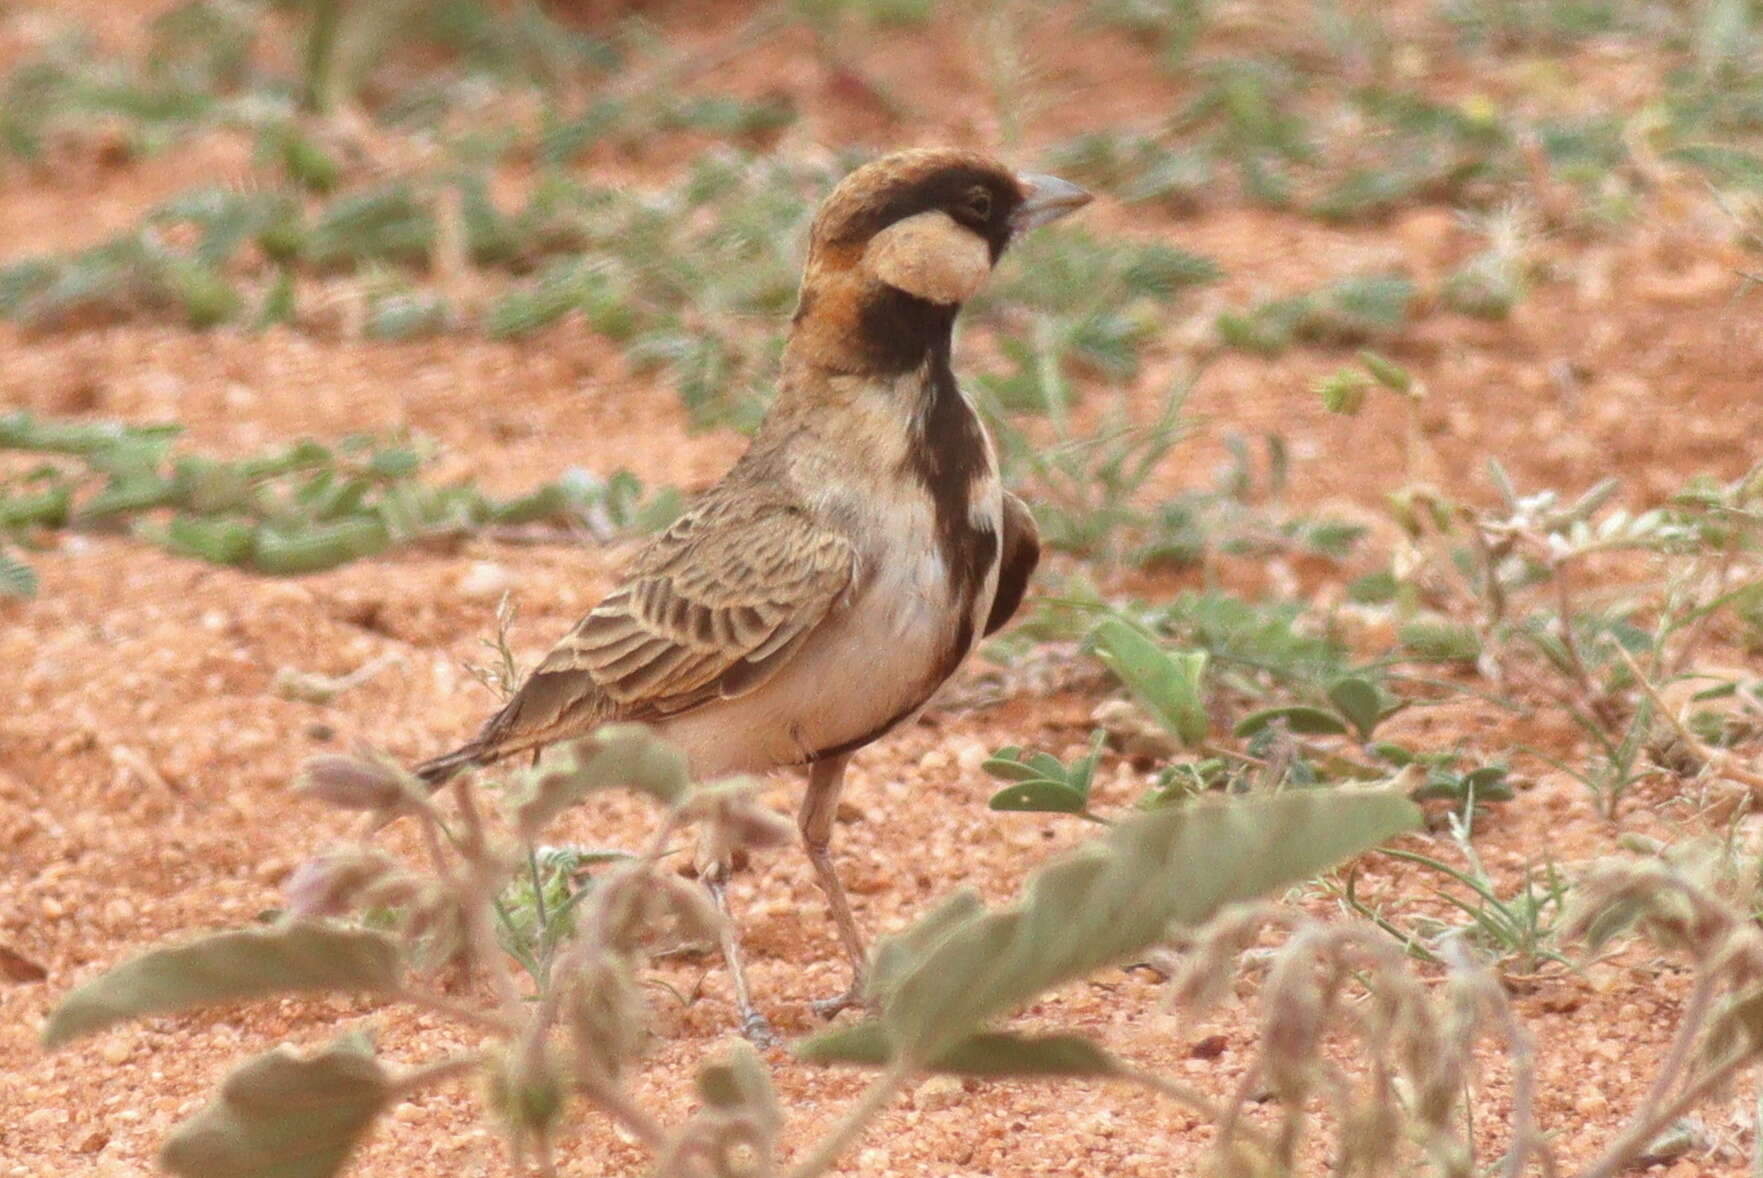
(710,609)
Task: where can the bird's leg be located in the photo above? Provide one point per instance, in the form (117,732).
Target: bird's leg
(819,807)
(753,1024)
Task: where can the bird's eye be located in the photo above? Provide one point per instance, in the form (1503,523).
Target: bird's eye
(979,203)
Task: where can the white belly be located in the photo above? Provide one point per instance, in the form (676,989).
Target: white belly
(871,664)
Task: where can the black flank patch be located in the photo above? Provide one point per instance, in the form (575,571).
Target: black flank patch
(1021,553)
(949,459)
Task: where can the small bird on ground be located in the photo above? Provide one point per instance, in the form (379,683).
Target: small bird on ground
(816,598)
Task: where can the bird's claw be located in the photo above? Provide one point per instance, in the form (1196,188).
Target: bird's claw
(829,1007)
(757,1031)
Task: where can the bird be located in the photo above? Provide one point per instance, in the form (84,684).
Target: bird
(817,596)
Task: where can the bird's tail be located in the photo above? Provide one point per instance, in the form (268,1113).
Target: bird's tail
(509,732)
(437,771)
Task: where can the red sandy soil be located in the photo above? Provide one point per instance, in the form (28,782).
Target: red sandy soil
(144,760)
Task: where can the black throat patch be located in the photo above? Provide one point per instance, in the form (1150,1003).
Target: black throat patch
(899,332)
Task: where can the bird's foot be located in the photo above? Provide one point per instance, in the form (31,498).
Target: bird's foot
(854,997)
(757,1031)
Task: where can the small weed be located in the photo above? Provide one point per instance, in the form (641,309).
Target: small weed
(1350,311)
(295,509)
(1087,487)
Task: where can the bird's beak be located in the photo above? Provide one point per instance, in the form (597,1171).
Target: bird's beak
(1045,198)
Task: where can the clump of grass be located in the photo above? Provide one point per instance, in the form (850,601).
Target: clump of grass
(1098,304)
(295,509)
(1352,310)
(1492,282)
(1087,488)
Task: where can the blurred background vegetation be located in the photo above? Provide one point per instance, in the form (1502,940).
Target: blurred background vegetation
(1276,179)
(494,168)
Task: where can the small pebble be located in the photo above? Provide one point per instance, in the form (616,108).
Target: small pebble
(485,581)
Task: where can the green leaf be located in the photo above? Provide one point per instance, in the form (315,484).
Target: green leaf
(1113,898)
(1393,753)
(127,495)
(1042,795)
(47,508)
(1083,770)
(207,297)
(17,579)
(990,1053)
(218,539)
(1000,1054)
(1388,373)
(1377,588)
(1343,392)
(318,546)
(550,501)
(1359,702)
(1445,642)
(1007,764)
(1299,718)
(228,967)
(281,1116)
(895,955)
(1489,784)
(1168,684)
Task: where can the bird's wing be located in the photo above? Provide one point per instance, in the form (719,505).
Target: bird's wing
(710,609)
(1018,555)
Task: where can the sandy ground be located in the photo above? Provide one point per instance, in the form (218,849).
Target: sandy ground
(144,760)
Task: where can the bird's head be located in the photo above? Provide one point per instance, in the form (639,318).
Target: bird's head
(902,242)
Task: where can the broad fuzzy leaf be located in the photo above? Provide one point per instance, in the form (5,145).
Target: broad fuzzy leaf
(281,1116)
(898,954)
(618,755)
(1169,684)
(740,1083)
(228,967)
(989,1053)
(1113,898)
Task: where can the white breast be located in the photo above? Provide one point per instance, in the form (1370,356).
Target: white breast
(874,661)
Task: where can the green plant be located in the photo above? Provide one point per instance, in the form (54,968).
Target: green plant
(573,1040)
(293,509)
(1517,572)
(1099,303)
(1134,167)
(1349,311)
(1085,487)
(1039,782)
(1492,282)
(1241,514)
(1325,982)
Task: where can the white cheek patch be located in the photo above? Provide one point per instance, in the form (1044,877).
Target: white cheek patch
(930,256)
